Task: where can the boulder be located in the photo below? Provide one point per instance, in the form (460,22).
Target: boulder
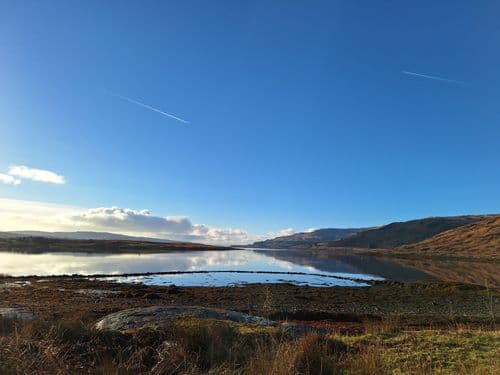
(161,316)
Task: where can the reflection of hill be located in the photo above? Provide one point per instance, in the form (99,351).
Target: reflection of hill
(456,270)
(348,263)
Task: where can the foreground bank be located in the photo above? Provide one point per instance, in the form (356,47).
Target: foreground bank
(390,326)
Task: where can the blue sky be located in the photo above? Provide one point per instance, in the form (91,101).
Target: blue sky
(299,113)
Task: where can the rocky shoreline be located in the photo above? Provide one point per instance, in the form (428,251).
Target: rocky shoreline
(439,300)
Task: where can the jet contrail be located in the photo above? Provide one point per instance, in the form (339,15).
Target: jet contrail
(133,101)
(431,77)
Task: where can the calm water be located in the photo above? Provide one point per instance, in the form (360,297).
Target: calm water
(305,268)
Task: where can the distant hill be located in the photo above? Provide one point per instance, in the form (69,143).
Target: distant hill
(37,245)
(79,236)
(306,239)
(480,239)
(402,233)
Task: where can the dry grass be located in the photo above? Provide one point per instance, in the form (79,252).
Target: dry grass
(310,354)
(477,240)
(71,346)
(457,350)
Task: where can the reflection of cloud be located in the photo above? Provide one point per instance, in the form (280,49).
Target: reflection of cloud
(19,264)
(225,279)
(57,264)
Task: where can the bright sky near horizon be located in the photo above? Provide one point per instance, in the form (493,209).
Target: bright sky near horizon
(184,119)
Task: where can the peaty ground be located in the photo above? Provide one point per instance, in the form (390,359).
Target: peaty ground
(386,328)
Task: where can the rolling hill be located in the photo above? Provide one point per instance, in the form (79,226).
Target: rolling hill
(306,239)
(480,239)
(402,233)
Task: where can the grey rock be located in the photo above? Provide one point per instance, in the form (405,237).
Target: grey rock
(16,313)
(160,316)
(97,292)
(14,284)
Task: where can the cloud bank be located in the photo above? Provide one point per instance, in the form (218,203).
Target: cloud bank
(142,222)
(125,219)
(30,215)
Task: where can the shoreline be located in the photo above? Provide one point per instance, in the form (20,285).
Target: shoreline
(383,298)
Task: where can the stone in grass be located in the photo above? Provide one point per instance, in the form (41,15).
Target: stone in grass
(161,316)
(16,313)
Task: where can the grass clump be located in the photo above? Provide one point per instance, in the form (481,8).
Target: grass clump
(426,351)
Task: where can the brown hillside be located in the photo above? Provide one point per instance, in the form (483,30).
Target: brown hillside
(396,234)
(477,240)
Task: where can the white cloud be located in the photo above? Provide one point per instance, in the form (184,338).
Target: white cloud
(9,180)
(286,232)
(30,215)
(40,175)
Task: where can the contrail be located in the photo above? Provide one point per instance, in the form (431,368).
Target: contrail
(133,101)
(431,77)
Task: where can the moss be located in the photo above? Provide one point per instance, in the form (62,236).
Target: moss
(188,324)
(446,351)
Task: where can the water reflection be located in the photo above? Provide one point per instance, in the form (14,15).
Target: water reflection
(19,264)
(283,261)
(462,271)
(349,263)
(236,279)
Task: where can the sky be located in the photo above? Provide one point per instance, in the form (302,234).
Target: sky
(227,121)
